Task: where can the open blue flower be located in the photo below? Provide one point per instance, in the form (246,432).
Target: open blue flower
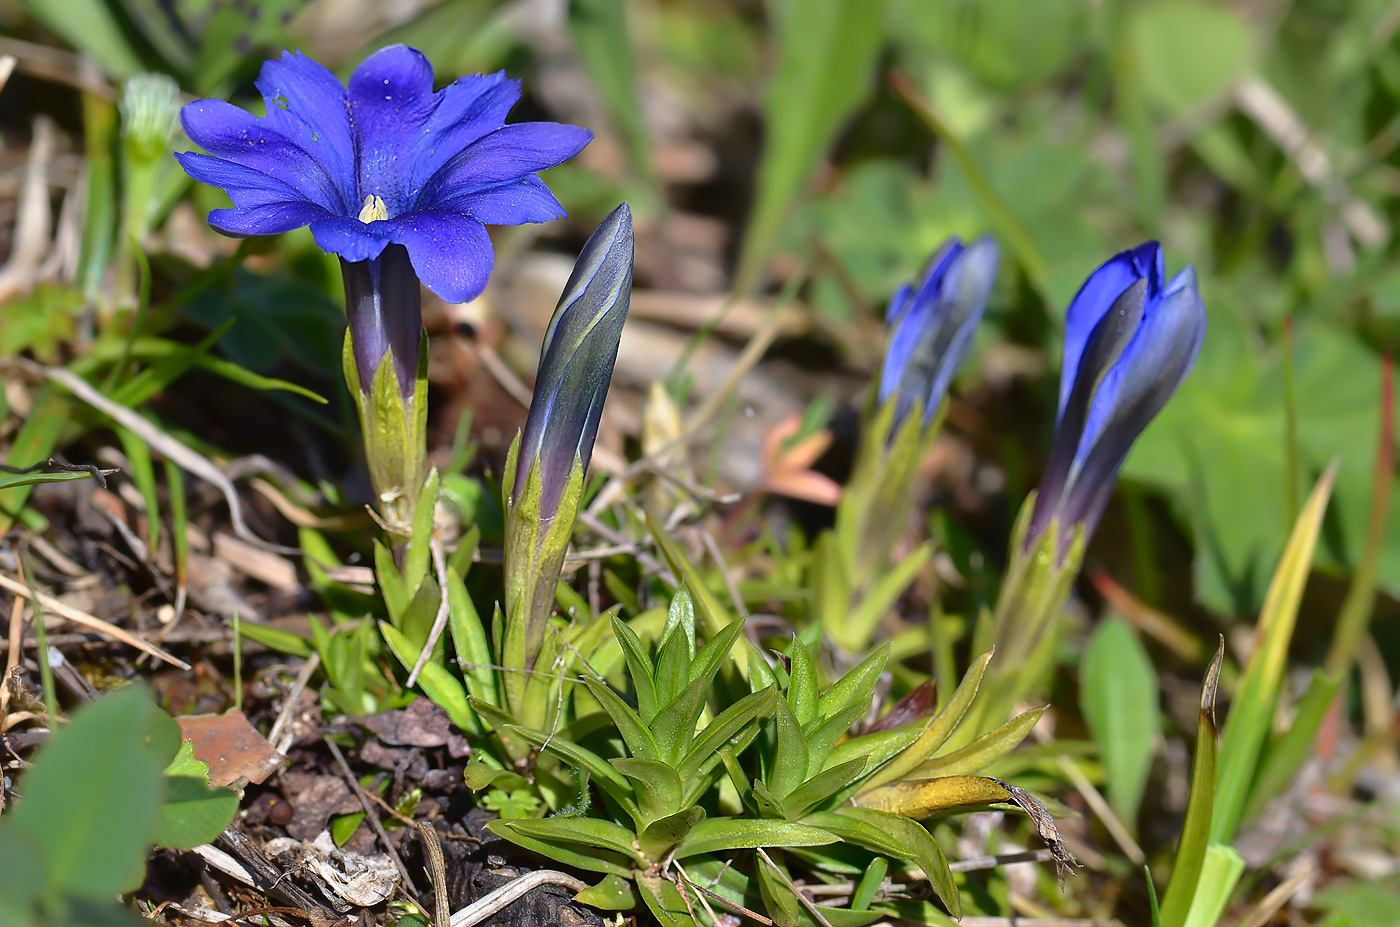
(1130,341)
(386,161)
(931,326)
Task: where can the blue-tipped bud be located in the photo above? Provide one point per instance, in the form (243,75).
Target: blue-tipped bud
(1130,341)
(931,323)
(576,362)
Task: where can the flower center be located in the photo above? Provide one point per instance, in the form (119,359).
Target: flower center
(373,210)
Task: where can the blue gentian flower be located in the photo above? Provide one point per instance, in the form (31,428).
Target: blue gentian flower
(931,323)
(1130,341)
(576,362)
(385,165)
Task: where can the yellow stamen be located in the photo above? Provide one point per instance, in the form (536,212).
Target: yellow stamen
(373,210)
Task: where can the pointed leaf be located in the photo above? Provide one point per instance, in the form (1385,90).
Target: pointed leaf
(549,840)
(634,733)
(983,751)
(802,685)
(715,835)
(820,787)
(895,836)
(857,686)
(639,668)
(660,836)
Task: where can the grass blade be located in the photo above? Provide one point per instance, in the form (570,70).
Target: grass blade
(1195,830)
(1222,870)
(1252,711)
(1119,697)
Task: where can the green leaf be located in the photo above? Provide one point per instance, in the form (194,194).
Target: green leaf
(726,727)
(613,893)
(1195,830)
(602,772)
(470,641)
(983,751)
(1286,753)
(343,826)
(674,725)
(660,836)
(92,797)
(1223,47)
(802,685)
(193,812)
(90,27)
(715,835)
(1118,693)
(826,55)
(599,29)
(923,744)
(441,686)
(656,785)
(639,668)
(635,734)
(788,760)
(856,687)
(896,836)
(821,787)
(62,476)
(1218,877)
(24,876)
(563,849)
(1252,709)
(589,832)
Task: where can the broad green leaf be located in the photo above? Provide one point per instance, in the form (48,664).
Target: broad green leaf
(1118,694)
(826,56)
(895,836)
(601,771)
(726,726)
(24,875)
(92,797)
(343,826)
(1223,47)
(613,893)
(656,785)
(714,835)
(192,812)
(1252,709)
(660,836)
(90,27)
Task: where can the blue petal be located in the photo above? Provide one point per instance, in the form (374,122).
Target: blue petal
(943,261)
(351,239)
(468,109)
(451,253)
(262,205)
(390,100)
(899,304)
(228,132)
(524,200)
(1152,367)
(1094,299)
(306,104)
(507,154)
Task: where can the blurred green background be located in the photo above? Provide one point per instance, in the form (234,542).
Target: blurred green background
(1257,140)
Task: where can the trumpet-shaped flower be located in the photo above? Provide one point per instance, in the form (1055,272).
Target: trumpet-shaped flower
(386,160)
(1131,338)
(931,323)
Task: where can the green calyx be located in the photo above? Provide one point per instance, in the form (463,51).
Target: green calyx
(394,424)
(534,557)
